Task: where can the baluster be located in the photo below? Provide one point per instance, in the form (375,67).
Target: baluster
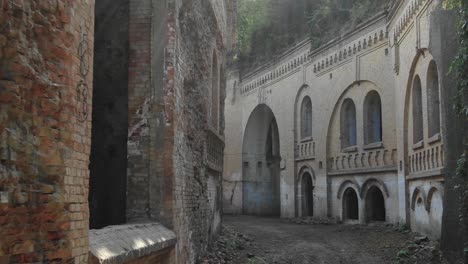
(428,159)
(416,167)
(369,159)
(377,156)
(432,158)
(385,157)
(441,156)
(411,163)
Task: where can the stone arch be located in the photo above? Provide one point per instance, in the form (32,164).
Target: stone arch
(334,117)
(372,118)
(306,118)
(348,124)
(418,192)
(374,204)
(261,164)
(350,204)
(433,99)
(418,61)
(345,185)
(308,174)
(433,190)
(301,94)
(371,183)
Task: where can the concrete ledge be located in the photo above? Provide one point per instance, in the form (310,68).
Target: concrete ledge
(122,243)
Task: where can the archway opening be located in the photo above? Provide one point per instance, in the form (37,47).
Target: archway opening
(375,205)
(261,160)
(350,205)
(307,195)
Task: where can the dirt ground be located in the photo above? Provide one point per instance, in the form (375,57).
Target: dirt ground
(247,239)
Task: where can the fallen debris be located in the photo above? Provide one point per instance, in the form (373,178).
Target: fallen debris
(308,220)
(229,248)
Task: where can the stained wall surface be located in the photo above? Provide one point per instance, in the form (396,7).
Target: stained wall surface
(377,58)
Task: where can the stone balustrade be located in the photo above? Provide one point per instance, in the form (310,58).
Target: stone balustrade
(305,150)
(373,159)
(426,159)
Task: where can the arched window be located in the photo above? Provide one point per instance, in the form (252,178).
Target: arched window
(433,99)
(306,118)
(214,91)
(348,124)
(417,111)
(372,118)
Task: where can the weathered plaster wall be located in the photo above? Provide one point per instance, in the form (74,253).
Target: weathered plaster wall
(379,55)
(45,123)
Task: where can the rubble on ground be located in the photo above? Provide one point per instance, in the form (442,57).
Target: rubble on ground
(308,220)
(420,250)
(230,247)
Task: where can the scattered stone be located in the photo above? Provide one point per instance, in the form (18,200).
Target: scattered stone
(229,246)
(312,221)
(421,239)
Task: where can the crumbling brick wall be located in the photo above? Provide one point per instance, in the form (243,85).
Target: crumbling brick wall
(197,210)
(45,96)
(169,178)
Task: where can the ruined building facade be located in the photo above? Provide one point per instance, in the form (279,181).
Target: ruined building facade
(360,129)
(111,127)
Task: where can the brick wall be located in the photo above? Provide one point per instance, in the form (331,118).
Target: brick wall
(171,45)
(197,189)
(45,98)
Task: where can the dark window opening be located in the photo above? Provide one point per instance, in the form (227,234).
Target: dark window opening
(375,205)
(417,111)
(373,118)
(433,99)
(348,124)
(307,195)
(306,118)
(350,205)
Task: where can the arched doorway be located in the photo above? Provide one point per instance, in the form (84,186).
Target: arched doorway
(307,195)
(261,164)
(350,205)
(375,205)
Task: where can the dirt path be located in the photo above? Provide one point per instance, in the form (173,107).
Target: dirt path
(279,241)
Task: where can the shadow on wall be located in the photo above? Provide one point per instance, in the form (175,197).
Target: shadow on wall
(261,164)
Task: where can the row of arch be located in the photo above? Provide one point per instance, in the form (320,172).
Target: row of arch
(372,120)
(433,104)
(419,197)
(373,194)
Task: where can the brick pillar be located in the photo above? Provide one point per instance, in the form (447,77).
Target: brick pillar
(45,96)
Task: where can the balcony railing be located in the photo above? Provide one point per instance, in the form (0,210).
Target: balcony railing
(214,151)
(426,159)
(374,159)
(305,150)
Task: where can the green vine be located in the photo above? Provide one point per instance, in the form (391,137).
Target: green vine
(459,66)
